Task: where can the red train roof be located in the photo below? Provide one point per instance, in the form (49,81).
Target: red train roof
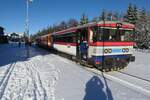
(114,24)
(110,24)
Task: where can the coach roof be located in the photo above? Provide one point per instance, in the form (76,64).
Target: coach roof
(111,24)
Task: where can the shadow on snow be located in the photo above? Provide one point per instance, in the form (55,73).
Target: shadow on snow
(97,90)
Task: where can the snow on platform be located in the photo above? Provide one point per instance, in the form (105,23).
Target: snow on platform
(141,66)
(41,75)
(137,72)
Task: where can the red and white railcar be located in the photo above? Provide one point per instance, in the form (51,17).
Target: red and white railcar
(110,43)
(45,41)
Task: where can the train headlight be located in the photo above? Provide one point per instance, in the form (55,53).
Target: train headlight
(108,51)
(125,50)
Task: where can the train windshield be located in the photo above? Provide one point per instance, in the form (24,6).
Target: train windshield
(113,35)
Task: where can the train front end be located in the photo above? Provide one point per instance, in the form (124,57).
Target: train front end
(112,46)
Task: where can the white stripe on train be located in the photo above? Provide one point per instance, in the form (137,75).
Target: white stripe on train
(94,50)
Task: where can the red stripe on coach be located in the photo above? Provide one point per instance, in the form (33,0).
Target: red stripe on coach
(112,44)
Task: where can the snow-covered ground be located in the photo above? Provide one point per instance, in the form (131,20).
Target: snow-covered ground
(41,75)
(138,69)
(141,67)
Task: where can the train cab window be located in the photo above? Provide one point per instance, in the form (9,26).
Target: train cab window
(106,34)
(116,35)
(127,35)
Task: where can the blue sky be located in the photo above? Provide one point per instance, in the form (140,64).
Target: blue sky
(49,12)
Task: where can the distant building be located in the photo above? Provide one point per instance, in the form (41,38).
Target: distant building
(14,37)
(1,31)
(3,39)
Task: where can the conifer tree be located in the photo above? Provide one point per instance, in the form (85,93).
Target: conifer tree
(95,19)
(142,31)
(102,16)
(84,19)
(115,16)
(131,15)
(62,25)
(109,16)
(72,23)
(135,13)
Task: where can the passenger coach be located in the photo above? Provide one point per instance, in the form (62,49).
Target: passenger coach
(105,44)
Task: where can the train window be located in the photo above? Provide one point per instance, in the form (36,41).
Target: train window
(127,35)
(91,35)
(115,35)
(112,36)
(69,38)
(106,34)
(118,35)
(94,34)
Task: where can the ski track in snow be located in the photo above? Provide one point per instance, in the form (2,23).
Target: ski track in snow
(29,80)
(5,79)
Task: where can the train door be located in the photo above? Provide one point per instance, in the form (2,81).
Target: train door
(82,44)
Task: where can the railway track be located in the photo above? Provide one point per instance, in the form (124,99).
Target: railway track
(119,71)
(137,77)
(106,71)
(123,82)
